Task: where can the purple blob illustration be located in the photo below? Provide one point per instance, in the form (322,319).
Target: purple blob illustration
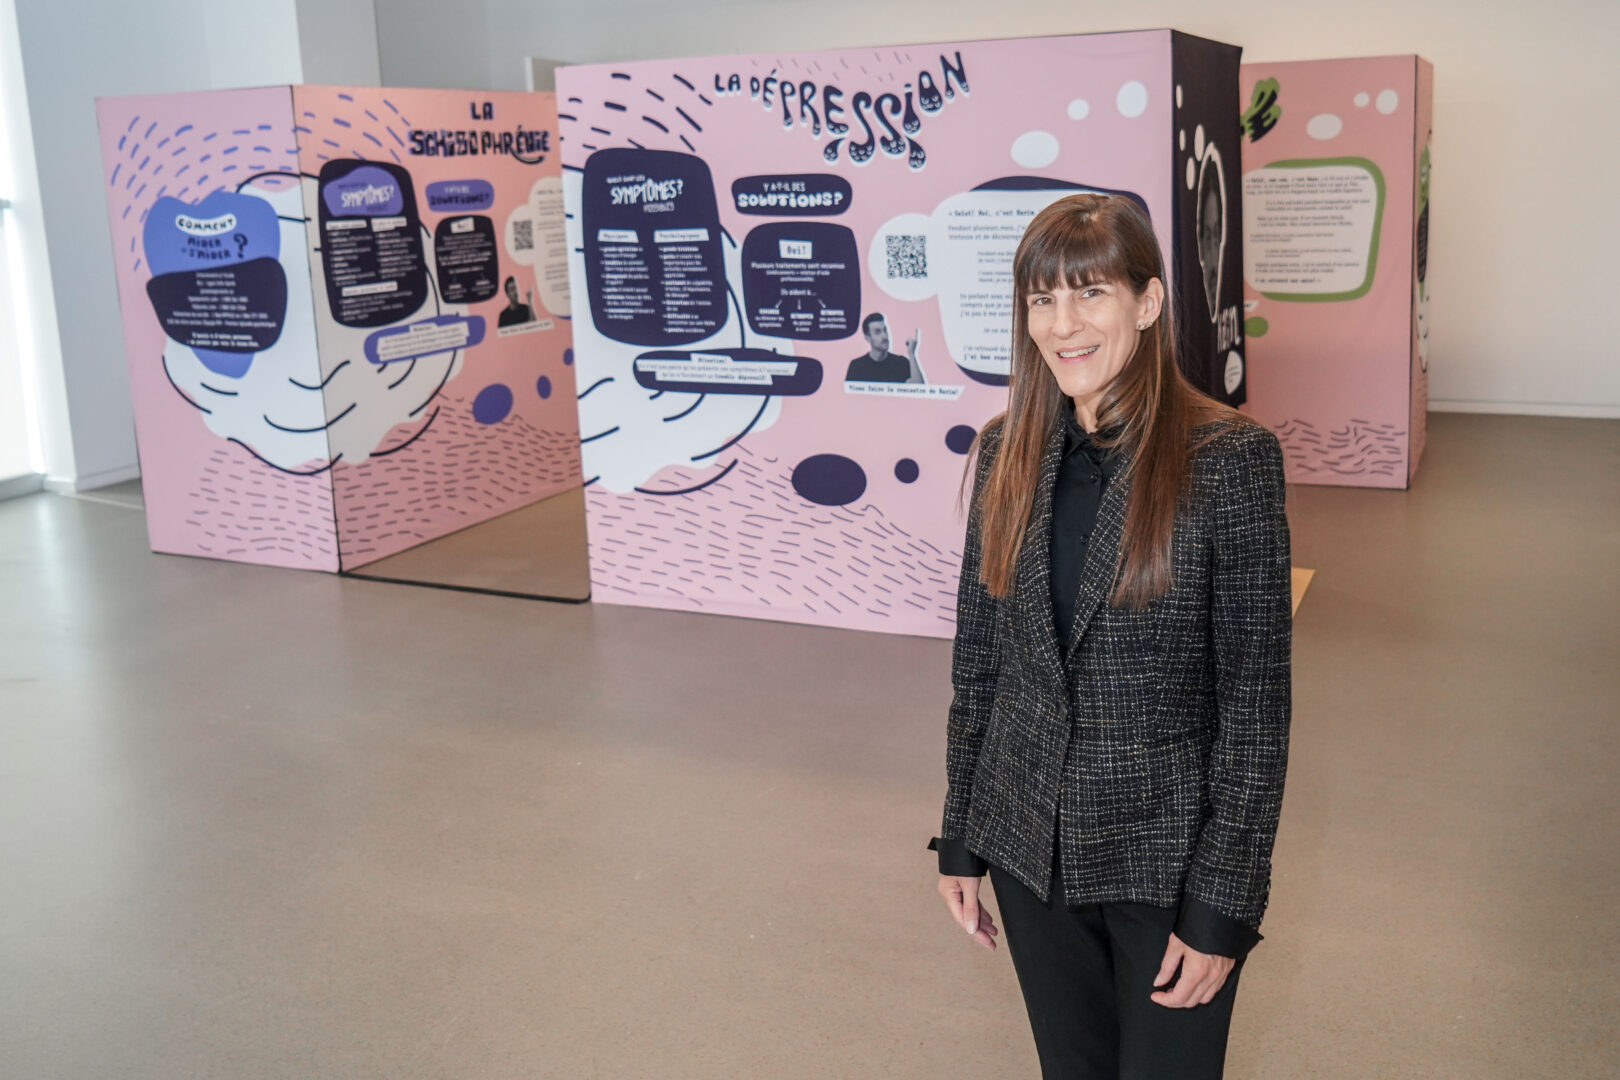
(829,479)
(543,387)
(959,440)
(232,365)
(492,404)
(906,471)
(568,357)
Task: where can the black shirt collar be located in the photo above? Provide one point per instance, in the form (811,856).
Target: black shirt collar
(1076,437)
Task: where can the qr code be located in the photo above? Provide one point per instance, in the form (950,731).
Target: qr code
(522,236)
(908,256)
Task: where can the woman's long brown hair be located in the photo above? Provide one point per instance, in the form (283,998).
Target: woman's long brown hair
(1147,413)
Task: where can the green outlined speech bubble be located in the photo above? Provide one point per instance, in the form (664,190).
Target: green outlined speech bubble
(1311,228)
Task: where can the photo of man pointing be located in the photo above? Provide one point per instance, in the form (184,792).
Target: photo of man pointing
(878,364)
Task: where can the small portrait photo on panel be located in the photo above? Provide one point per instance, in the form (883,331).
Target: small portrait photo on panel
(878,364)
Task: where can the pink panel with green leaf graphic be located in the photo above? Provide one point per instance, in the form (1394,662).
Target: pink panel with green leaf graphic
(1335,264)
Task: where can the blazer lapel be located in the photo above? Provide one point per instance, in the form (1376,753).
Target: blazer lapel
(1034,563)
(1102,555)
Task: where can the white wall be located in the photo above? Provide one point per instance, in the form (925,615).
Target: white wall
(33,316)
(337,42)
(17,437)
(239,44)
(72,52)
(447,47)
(1527,95)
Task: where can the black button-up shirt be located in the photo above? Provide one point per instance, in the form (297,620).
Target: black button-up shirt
(1083,475)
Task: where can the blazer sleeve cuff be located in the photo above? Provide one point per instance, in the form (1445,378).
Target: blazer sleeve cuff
(955,860)
(1204,928)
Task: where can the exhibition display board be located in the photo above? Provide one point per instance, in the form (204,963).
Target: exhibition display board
(1336,160)
(792,295)
(345,315)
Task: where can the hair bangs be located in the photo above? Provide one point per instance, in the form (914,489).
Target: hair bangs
(1070,250)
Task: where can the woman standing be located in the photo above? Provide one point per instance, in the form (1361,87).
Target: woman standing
(1118,738)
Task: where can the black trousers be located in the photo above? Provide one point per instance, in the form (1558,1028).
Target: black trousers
(1086,973)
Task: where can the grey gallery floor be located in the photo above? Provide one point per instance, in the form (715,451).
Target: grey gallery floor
(262,823)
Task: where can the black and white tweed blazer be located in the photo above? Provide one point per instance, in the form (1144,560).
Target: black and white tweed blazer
(1153,744)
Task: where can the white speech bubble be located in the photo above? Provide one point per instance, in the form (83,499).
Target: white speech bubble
(1308,230)
(544,244)
(968,244)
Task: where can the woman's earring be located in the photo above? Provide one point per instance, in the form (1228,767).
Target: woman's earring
(1141,326)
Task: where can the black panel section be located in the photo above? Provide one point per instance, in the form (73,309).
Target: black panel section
(1208,228)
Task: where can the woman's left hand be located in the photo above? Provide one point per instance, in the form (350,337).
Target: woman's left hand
(1202,976)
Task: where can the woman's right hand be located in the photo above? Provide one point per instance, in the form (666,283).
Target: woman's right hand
(961,895)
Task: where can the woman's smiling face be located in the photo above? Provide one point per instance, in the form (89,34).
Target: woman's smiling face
(1087,334)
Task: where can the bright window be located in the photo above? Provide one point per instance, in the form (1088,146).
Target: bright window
(15,459)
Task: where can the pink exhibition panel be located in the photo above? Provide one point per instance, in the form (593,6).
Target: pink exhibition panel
(792,284)
(207,216)
(345,315)
(1336,227)
(441,305)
